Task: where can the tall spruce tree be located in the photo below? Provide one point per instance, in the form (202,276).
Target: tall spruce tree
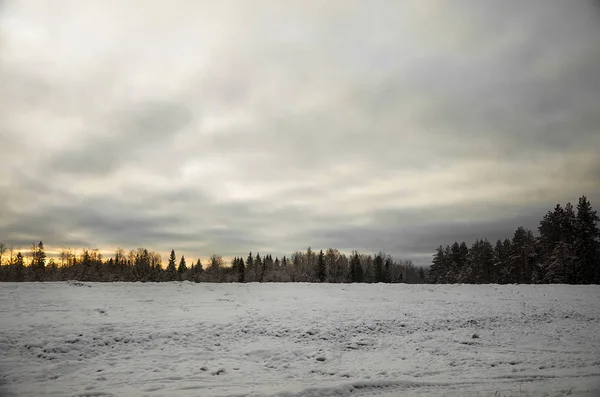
(38,262)
(556,244)
(569,232)
(196,271)
(321,270)
(360,272)
(387,270)
(559,264)
(267,267)
(587,249)
(520,259)
(353,268)
(182,269)
(258,268)
(250,273)
(19,267)
(378,268)
(241,270)
(438,270)
(171,273)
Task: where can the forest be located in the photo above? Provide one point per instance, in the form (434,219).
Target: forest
(566,250)
(146,266)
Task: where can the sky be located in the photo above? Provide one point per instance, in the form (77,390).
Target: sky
(234,126)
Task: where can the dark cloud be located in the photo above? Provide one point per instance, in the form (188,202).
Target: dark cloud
(227,128)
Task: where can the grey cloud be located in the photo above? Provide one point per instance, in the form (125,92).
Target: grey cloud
(418,241)
(131,132)
(109,221)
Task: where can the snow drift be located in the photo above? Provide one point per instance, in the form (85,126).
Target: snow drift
(185,339)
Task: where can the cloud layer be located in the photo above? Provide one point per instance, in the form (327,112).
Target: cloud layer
(237,126)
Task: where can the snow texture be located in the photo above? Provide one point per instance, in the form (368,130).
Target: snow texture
(304,340)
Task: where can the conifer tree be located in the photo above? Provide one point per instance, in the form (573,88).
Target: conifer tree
(267,266)
(196,271)
(587,250)
(171,273)
(38,262)
(360,273)
(241,270)
(321,270)
(354,262)
(569,232)
(19,267)
(387,269)
(378,269)
(258,268)
(182,269)
(560,264)
(437,271)
(250,271)
(520,258)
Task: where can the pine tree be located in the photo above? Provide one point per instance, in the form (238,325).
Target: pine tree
(378,269)
(469,271)
(480,263)
(587,250)
(557,228)
(360,272)
(353,270)
(142,264)
(19,267)
(458,258)
(197,271)
(258,266)
(85,266)
(321,270)
(171,273)
(38,262)
(267,267)
(285,271)
(520,259)
(569,231)
(560,264)
(438,269)
(550,230)
(182,269)
(250,273)
(296,266)
(387,270)
(487,262)
(502,255)
(241,270)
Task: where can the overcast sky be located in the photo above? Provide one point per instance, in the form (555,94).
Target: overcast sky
(229,126)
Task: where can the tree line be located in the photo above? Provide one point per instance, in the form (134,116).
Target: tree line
(330,266)
(566,250)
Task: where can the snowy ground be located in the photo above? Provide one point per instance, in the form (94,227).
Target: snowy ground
(184,339)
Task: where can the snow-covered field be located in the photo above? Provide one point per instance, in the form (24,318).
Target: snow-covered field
(184,339)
